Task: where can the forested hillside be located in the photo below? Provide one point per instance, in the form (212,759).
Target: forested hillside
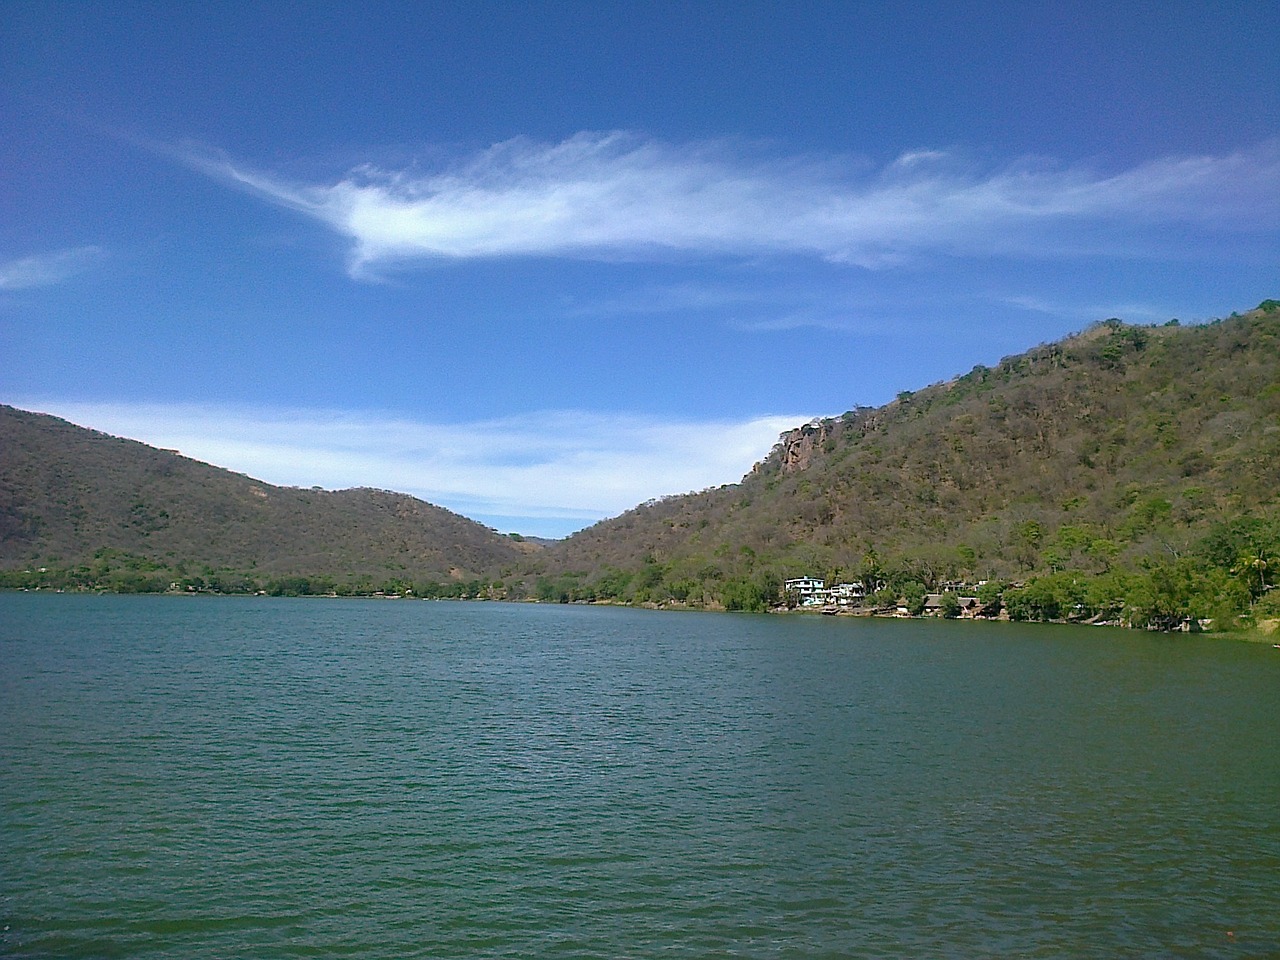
(1092,470)
(103,511)
(1128,474)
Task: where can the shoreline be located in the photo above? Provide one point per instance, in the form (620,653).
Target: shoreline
(1265,631)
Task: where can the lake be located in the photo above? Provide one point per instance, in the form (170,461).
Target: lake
(247,777)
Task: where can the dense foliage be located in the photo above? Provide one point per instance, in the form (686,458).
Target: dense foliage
(1127,473)
(115,572)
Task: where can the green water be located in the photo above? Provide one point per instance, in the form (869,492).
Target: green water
(203,777)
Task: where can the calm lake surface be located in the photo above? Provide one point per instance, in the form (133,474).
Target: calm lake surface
(221,777)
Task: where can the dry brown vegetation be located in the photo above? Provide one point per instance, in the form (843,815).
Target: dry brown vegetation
(1127,472)
(75,498)
(1113,450)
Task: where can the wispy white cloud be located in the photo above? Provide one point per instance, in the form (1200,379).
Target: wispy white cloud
(48,269)
(777,308)
(616,195)
(672,298)
(803,321)
(560,470)
(1131,312)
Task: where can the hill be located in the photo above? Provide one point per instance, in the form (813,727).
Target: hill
(96,509)
(1121,451)
(1127,473)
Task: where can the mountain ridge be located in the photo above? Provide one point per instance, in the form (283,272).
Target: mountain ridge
(1109,450)
(69,494)
(1124,471)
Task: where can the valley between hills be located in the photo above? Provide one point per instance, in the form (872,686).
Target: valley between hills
(1126,474)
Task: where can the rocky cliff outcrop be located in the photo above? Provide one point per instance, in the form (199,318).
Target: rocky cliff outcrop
(796,448)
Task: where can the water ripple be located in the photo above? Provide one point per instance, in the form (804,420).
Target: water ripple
(212,778)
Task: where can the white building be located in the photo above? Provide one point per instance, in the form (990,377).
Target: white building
(846,594)
(808,591)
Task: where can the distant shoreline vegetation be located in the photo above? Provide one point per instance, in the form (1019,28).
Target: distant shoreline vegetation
(1125,474)
(1226,585)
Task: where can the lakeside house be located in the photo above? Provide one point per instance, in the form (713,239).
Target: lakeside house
(934,606)
(847,594)
(807,591)
(814,592)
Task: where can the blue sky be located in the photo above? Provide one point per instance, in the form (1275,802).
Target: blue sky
(540,262)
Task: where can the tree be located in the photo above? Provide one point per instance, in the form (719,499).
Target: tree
(872,573)
(1162,599)
(1028,535)
(1051,597)
(1252,568)
(913,597)
(884,598)
(990,595)
(742,594)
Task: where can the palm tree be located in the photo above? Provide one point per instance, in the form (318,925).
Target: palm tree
(1252,569)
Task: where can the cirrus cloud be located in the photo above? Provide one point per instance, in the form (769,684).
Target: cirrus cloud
(616,195)
(47,269)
